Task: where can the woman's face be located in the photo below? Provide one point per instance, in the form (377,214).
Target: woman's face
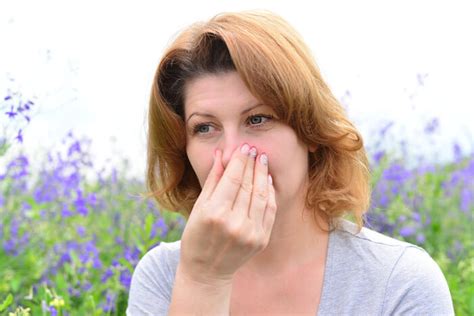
(220,112)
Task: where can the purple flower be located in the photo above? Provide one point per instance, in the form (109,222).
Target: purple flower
(17,168)
(64,258)
(119,240)
(416,217)
(131,254)
(384,130)
(378,156)
(466,199)
(420,238)
(11,114)
(107,274)
(432,126)
(86,286)
(457,152)
(407,231)
(402,218)
(109,305)
(53,311)
(14,226)
(75,147)
(125,278)
(84,257)
(421,79)
(81,231)
(19,137)
(72,245)
(65,211)
(80,204)
(92,199)
(73,291)
(9,246)
(161,226)
(396,172)
(96,263)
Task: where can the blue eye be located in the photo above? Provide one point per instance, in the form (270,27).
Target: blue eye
(202,128)
(255,121)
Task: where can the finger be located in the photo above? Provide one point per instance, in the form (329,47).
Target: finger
(270,210)
(213,177)
(229,184)
(260,190)
(243,199)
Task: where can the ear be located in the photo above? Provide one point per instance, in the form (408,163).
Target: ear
(312,148)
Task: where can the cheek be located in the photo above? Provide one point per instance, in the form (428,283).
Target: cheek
(201,161)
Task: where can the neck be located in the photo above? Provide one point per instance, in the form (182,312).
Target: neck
(296,240)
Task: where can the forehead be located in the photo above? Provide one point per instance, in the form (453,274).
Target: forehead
(215,92)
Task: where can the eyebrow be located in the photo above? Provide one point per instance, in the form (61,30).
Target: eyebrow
(210,115)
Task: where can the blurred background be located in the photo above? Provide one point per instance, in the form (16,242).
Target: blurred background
(75,80)
(89,66)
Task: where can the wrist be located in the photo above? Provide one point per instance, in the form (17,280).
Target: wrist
(204,281)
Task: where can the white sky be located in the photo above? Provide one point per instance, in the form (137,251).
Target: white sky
(90,64)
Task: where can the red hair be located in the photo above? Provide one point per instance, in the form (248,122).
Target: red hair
(278,69)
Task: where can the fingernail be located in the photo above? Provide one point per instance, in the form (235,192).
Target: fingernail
(253,152)
(264,159)
(270,179)
(245,149)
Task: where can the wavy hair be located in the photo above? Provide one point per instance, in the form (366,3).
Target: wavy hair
(278,69)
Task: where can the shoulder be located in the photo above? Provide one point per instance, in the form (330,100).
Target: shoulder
(162,258)
(152,280)
(417,285)
(367,246)
(397,277)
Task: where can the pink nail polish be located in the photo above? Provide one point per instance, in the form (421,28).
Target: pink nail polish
(264,159)
(253,152)
(245,149)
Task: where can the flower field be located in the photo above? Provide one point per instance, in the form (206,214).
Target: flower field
(69,242)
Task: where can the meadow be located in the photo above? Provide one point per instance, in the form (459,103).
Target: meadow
(69,243)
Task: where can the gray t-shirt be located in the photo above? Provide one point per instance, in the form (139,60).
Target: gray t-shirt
(366,273)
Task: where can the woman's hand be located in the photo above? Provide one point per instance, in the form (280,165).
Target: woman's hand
(231,220)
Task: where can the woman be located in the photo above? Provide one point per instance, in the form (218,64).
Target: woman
(248,142)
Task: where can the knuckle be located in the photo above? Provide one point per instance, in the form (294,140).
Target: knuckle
(261,194)
(214,221)
(254,241)
(272,207)
(235,232)
(262,244)
(247,187)
(250,242)
(243,159)
(234,179)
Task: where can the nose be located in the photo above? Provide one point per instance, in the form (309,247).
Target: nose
(228,144)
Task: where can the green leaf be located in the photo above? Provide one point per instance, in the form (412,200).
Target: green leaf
(126,264)
(7,302)
(148,226)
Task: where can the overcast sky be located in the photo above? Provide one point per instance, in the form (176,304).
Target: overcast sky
(89,65)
